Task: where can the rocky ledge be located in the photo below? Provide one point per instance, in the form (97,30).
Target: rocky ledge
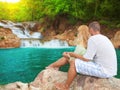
(46,79)
(8,39)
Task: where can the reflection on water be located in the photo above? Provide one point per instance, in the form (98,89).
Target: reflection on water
(23,64)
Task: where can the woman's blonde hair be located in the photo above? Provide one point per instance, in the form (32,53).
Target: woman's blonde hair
(83,35)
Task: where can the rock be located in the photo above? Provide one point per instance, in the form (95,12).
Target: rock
(8,39)
(67,35)
(15,86)
(46,79)
(116,39)
(48,35)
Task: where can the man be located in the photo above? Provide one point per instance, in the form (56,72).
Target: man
(99,60)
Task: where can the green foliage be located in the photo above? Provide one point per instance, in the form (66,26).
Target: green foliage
(110,24)
(74,10)
(110,9)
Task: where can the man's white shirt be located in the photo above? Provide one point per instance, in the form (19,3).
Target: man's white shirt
(102,52)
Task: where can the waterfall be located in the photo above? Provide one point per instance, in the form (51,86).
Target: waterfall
(29,39)
(55,43)
(22,31)
(37,43)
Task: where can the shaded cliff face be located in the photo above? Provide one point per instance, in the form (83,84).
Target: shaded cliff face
(61,28)
(8,39)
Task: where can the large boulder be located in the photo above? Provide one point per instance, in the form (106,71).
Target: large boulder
(68,36)
(116,39)
(8,39)
(47,78)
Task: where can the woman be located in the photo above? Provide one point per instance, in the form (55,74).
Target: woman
(81,45)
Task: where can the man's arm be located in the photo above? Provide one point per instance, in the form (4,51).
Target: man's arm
(78,56)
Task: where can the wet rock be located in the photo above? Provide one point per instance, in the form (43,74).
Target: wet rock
(8,39)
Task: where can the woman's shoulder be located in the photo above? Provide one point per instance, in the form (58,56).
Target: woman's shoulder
(80,46)
(80,49)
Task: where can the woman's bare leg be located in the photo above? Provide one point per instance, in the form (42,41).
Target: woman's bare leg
(71,75)
(62,61)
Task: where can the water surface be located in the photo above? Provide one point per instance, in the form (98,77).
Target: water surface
(23,64)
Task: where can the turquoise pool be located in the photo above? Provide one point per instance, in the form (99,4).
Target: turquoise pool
(23,64)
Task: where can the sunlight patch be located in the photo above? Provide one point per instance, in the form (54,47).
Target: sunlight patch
(10,1)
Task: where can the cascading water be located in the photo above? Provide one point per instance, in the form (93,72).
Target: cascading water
(20,30)
(49,44)
(31,40)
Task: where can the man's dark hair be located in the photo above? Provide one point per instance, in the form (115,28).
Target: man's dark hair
(95,26)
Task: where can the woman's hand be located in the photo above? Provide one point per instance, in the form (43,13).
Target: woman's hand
(66,54)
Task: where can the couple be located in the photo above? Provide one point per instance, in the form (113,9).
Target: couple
(94,56)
